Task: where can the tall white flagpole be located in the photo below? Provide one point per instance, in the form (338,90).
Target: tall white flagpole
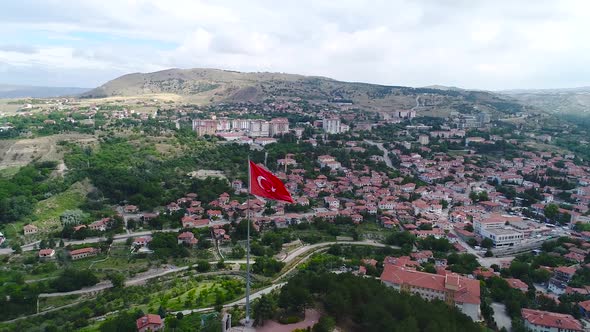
(249,215)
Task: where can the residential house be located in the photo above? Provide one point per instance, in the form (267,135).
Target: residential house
(517,284)
(141,241)
(150,323)
(561,277)
(130,209)
(100,225)
(220,234)
(187,238)
(422,256)
(332,202)
(584,308)
(214,214)
(193,222)
(46,254)
(30,229)
(546,321)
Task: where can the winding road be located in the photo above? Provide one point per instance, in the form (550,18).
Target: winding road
(385,153)
(160,272)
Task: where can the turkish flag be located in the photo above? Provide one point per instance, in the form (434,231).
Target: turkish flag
(264,184)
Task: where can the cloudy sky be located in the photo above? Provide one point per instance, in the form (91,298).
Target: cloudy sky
(473,44)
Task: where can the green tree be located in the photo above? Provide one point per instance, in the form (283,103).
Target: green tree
(263,309)
(172,322)
(325,324)
(203,266)
(294,299)
(123,322)
(551,211)
(162,312)
(117,279)
(237,252)
(17,248)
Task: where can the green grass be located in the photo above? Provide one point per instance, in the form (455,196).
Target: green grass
(9,172)
(119,259)
(91,328)
(186,294)
(372,230)
(58,301)
(48,211)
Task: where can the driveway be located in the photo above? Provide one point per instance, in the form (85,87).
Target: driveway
(500,316)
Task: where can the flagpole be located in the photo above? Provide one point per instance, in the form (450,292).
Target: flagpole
(249,215)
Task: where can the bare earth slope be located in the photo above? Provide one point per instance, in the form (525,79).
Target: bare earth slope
(571,101)
(214,85)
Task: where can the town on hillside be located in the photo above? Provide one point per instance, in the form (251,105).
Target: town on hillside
(135,214)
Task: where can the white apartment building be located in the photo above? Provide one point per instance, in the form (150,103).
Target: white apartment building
(331,125)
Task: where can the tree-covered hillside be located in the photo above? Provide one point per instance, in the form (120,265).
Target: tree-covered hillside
(363,304)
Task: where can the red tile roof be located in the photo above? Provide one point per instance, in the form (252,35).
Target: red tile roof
(467,290)
(517,284)
(82,251)
(585,305)
(551,319)
(147,320)
(46,252)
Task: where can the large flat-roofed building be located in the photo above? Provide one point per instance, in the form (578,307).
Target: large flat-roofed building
(462,292)
(497,228)
(503,237)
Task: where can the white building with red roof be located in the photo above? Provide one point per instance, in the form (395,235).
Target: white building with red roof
(46,254)
(150,322)
(83,253)
(537,320)
(187,238)
(141,241)
(462,292)
(100,225)
(517,284)
(193,222)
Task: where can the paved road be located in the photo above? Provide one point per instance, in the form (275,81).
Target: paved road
(483,261)
(500,316)
(417,103)
(385,153)
(308,247)
(117,238)
(160,272)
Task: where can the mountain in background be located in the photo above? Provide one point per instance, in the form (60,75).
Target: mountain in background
(23,91)
(563,101)
(217,86)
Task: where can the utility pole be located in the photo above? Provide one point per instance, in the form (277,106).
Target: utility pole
(249,216)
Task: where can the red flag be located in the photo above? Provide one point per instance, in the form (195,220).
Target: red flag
(264,184)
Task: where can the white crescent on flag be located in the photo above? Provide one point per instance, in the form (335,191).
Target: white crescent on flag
(260,178)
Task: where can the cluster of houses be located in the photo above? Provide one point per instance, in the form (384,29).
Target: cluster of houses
(440,204)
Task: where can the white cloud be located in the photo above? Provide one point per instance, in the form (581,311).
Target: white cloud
(474,44)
